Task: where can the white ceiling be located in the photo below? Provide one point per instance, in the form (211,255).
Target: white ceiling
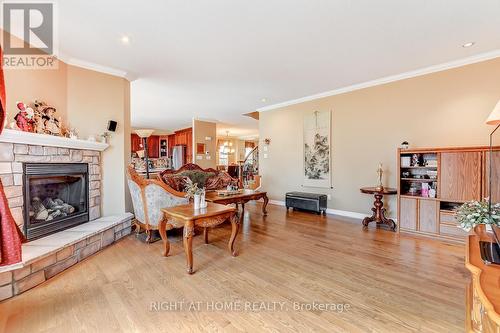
(218,59)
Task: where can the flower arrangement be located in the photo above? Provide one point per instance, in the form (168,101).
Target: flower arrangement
(192,189)
(473,213)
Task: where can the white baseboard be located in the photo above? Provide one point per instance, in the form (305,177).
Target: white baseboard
(329,211)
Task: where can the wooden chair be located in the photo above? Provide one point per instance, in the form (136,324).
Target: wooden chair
(149,196)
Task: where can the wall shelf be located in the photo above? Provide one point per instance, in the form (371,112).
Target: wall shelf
(424,180)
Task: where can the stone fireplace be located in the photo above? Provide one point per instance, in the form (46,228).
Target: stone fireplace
(53,187)
(35,159)
(56,197)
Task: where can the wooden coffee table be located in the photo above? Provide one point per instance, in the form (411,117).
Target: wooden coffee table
(238,199)
(211,216)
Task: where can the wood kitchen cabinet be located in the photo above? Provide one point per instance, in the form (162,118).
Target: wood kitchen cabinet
(135,143)
(182,137)
(153,145)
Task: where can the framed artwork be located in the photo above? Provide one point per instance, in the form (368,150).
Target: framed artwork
(317,149)
(200,148)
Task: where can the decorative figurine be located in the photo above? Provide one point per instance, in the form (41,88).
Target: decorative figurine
(380,173)
(73,134)
(24,118)
(38,126)
(414,160)
(405,145)
(50,122)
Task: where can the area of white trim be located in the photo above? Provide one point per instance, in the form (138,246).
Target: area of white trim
(20,137)
(330,211)
(95,67)
(407,75)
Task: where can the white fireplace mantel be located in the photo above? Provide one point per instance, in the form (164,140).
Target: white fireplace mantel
(20,137)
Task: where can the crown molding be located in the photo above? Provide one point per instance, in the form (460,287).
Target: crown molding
(95,67)
(388,79)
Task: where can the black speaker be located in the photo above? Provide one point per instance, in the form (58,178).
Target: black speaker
(112,125)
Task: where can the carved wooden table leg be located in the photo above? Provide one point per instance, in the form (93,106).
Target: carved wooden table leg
(378,215)
(188,244)
(235,225)
(162,228)
(264,206)
(205,235)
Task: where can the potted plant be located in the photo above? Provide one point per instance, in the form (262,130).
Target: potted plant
(474,213)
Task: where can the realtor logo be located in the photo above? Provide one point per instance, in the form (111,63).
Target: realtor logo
(28,35)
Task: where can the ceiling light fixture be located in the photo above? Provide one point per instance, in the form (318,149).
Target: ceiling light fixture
(263,100)
(469,44)
(125,40)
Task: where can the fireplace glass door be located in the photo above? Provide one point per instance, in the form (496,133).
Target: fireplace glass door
(56,197)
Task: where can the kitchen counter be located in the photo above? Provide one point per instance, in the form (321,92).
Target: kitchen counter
(151,171)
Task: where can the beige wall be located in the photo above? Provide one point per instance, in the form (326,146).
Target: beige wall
(201,130)
(94,99)
(447,108)
(85,100)
(27,85)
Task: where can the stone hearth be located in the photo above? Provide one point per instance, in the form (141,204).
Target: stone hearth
(45,257)
(48,256)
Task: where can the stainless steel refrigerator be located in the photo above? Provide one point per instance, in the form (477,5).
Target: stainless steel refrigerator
(178,156)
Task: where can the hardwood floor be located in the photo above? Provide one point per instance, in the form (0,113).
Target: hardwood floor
(391,283)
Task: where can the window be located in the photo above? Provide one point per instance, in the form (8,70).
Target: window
(223,156)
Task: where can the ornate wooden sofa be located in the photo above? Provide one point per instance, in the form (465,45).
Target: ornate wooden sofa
(149,196)
(209,178)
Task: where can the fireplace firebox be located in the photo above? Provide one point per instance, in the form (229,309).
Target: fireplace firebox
(56,197)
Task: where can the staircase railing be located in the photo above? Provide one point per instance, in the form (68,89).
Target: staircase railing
(249,167)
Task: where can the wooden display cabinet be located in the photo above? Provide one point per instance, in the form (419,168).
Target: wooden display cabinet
(456,175)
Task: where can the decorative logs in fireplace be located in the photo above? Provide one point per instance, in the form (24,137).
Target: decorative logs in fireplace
(49,209)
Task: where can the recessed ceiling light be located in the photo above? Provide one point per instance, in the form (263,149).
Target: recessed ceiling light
(469,44)
(263,100)
(125,40)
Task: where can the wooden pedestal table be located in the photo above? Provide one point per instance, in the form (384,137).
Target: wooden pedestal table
(378,209)
(211,216)
(239,199)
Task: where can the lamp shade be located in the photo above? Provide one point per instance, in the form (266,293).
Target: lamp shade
(494,118)
(144,133)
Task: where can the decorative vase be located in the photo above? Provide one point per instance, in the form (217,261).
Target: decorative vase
(196,201)
(203,203)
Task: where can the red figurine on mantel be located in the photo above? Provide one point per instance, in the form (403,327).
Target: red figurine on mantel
(24,118)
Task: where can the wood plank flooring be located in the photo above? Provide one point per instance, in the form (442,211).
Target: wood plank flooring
(391,283)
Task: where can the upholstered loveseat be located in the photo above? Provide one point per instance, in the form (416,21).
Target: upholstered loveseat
(210,179)
(148,198)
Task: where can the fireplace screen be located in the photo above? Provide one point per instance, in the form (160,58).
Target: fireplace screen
(56,197)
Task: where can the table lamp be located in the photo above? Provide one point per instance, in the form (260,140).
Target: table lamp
(493,119)
(144,134)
